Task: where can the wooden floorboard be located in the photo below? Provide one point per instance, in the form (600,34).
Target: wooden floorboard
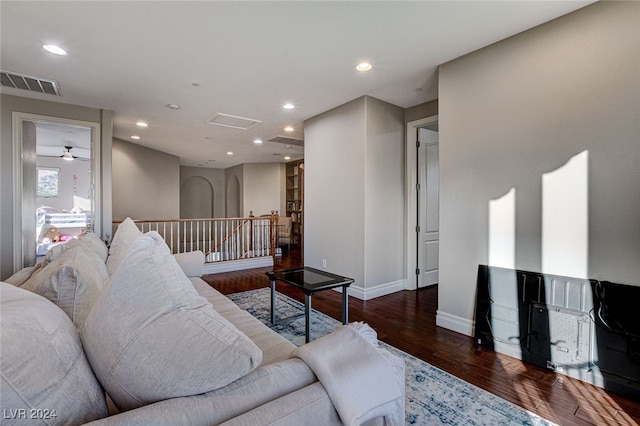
(407,321)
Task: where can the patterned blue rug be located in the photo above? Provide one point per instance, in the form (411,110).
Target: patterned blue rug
(433,397)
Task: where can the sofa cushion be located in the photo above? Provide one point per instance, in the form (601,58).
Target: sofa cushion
(96,244)
(150,336)
(73,281)
(190,262)
(274,347)
(43,366)
(23,275)
(126,233)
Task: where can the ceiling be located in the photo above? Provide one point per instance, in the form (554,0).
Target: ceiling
(246,59)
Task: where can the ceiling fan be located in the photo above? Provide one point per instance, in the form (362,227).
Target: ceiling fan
(67,153)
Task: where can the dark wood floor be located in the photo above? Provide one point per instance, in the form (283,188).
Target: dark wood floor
(407,320)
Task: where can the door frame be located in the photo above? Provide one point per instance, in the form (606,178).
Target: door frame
(19,225)
(411,179)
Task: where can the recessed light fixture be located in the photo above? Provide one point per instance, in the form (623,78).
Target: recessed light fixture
(141,124)
(288,106)
(257,141)
(287,158)
(173,106)
(229,153)
(56,50)
(364,66)
(288,129)
(135,137)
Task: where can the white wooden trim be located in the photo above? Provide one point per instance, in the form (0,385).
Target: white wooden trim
(455,323)
(17,190)
(237,265)
(411,180)
(17,119)
(369,293)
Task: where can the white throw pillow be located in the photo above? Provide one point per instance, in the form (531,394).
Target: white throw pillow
(126,233)
(150,336)
(73,281)
(44,370)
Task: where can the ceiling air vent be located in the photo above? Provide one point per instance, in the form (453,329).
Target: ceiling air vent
(287,141)
(27,82)
(233,121)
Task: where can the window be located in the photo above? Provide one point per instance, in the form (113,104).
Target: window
(48,182)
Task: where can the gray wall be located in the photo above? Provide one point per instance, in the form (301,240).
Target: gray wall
(9,104)
(426,109)
(146,183)
(354,189)
(523,107)
(215,177)
(263,188)
(234,194)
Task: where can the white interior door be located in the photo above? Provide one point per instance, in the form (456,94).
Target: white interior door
(428,206)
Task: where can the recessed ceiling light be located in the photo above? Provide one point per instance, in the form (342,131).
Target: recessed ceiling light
(257,141)
(287,158)
(135,137)
(56,50)
(364,66)
(141,124)
(288,106)
(229,153)
(288,129)
(173,106)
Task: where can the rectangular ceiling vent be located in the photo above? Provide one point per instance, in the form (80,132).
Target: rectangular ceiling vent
(287,141)
(27,82)
(233,121)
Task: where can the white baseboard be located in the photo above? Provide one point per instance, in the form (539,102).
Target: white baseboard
(455,323)
(237,265)
(368,293)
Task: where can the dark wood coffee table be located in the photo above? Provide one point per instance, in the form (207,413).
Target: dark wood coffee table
(310,280)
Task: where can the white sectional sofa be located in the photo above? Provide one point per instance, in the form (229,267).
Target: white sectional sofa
(131,335)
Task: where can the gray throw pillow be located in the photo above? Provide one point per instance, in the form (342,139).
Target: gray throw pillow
(73,281)
(96,244)
(150,336)
(45,374)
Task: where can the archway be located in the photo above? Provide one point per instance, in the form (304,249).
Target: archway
(233,197)
(196,198)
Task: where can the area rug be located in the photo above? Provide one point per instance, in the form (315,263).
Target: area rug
(433,397)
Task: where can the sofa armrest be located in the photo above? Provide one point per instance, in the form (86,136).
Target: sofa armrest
(190,262)
(309,406)
(257,388)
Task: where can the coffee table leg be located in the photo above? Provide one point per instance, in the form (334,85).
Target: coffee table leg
(307,317)
(273,302)
(345,305)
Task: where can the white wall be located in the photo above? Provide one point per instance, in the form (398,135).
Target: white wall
(354,208)
(74,183)
(521,108)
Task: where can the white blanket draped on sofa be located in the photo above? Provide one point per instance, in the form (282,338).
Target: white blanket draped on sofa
(363,381)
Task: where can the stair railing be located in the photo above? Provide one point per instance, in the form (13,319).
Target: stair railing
(220,239)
